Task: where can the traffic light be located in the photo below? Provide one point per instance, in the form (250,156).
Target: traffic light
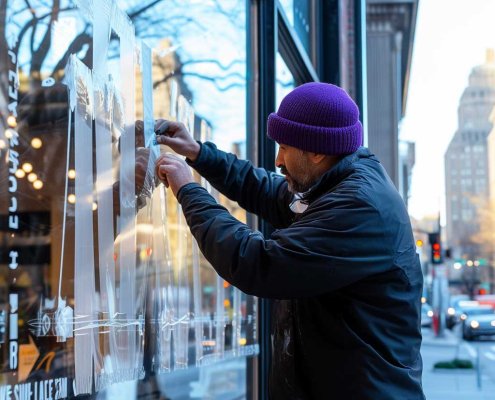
(436,248)
(448,253)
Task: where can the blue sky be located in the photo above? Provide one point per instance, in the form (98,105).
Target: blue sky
(451,38)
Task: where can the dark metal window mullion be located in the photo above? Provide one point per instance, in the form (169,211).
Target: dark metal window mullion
(316,34)
(262,40)
(360,60)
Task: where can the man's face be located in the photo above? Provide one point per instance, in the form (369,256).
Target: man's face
(297,168)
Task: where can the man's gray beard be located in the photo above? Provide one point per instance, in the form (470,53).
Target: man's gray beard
(301,187)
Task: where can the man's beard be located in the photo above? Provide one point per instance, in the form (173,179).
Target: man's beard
(298,185)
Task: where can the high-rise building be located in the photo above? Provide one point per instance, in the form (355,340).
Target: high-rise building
(466,160)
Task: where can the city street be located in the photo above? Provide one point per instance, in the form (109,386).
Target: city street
(457,384)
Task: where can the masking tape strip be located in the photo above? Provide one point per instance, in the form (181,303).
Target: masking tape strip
(104,190)
(127,248)
(198,307)
(220,319)
(236,321)
(149,132)
(84,276)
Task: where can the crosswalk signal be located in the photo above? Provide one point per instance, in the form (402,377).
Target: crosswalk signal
(436,248)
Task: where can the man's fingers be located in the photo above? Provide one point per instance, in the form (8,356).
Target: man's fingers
(162,159)
(166,140)
(164,127)
(167,158)
(163,171)
(161,126)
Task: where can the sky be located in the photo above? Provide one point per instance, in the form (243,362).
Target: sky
(451,38)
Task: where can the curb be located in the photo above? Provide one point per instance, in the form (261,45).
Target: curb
(454,371)
(440,342)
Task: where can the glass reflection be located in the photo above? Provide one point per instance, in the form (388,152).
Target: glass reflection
(101,281)
(298,13)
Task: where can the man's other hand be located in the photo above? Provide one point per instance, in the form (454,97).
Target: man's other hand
(173,172)
(176,136)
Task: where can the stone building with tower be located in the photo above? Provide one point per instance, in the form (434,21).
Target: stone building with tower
(467,161)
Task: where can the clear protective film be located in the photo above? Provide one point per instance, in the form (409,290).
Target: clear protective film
(103,282)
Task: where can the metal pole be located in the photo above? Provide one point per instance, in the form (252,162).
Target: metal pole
(478,367)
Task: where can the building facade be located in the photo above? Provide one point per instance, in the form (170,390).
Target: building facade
(466,161)
(390,38)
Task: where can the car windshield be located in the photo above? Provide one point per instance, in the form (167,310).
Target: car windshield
(484,318)
(478,311)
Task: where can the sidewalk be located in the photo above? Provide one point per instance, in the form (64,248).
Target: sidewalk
(451,384)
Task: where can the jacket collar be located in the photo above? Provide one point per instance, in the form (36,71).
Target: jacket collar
(335,175)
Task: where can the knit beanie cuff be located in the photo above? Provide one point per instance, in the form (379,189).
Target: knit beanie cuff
(316,139)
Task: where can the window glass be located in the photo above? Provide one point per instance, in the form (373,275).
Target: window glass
(102,287)
(284,79)
(298,14)
(284,84)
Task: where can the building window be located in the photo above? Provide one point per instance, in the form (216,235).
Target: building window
(100,247)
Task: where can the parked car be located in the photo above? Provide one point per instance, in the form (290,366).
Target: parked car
(479,325)
(453,313)
(459,311)
(488,299)
(471,311)
(426,315)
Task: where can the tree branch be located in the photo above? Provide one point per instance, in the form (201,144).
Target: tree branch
(212,61)
(212,79)
(136,13)
(76,46)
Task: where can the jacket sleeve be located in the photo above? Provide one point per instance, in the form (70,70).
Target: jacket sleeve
(255,189)
(316,255)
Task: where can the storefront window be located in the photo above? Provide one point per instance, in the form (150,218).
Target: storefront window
(102,287)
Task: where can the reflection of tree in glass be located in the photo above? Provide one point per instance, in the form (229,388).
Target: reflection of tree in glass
(153,21)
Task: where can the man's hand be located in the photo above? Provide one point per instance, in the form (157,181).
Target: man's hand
(176,136)
(173,172)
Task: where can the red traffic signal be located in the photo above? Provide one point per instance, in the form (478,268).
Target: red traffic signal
(436,248)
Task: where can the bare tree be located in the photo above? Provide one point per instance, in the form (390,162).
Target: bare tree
(151,20)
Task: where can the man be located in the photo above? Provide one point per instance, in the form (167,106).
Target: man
(341,266)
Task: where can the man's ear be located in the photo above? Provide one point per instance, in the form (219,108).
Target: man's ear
(317,158)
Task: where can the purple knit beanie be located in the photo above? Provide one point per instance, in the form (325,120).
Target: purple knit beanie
(317,117)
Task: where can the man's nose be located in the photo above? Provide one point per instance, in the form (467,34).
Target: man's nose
(278,160)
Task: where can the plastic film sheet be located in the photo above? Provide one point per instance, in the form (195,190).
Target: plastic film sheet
(84,275)
(163,308)
(129,268)
(104,97)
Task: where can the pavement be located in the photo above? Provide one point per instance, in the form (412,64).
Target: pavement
(457,384)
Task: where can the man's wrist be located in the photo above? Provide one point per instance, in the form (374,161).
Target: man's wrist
(184,188)
(194,153)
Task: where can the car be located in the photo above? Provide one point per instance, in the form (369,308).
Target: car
(460,309)
(426,315)
(488,299)
(479,325)
(453,313)
(471,311)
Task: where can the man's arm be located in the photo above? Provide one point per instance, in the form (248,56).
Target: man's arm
(255,189)
(312,257)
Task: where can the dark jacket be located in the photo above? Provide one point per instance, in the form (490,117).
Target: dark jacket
(344,273)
